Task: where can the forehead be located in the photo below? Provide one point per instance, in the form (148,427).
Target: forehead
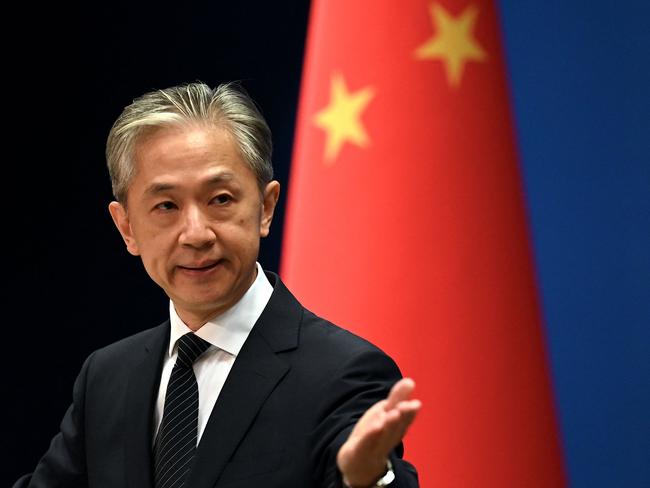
(185,155)
(168,145)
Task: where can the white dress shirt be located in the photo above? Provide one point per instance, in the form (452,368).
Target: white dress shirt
(226,334)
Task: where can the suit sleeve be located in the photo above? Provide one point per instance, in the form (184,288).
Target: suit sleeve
(364,380)
(64,463)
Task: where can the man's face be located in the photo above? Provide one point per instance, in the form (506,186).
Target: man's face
(195,216)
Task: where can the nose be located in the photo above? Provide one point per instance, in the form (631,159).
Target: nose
(196,231)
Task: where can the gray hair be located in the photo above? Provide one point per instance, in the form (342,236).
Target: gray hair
(228,106)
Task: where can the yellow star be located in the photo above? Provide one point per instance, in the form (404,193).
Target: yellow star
(453,42)
(341,119)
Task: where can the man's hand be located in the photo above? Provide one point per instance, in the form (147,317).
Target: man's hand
(362,458)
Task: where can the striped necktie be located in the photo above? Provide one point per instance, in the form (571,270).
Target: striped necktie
(176,441)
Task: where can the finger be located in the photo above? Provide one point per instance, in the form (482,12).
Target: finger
(399,392)
(379,444)
(394,423)
(392,426)
(377,425)
(386,432)
(407,417)
(409,406)
(399,419)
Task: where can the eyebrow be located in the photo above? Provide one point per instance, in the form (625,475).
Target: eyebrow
(156,188)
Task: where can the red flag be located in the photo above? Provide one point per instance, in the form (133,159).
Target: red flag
(405,223)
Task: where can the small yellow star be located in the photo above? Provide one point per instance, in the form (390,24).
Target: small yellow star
(341,119)
(453,42)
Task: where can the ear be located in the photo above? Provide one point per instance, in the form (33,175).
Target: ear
(123,224)
(270,200)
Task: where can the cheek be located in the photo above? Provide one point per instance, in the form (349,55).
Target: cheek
(244,224)
(242,237)
(155,250)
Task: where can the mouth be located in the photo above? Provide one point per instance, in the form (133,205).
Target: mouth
(200,268)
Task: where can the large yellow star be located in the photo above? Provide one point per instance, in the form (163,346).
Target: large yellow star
(452,42)
(341,119)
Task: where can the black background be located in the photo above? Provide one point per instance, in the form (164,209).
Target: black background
(71,287)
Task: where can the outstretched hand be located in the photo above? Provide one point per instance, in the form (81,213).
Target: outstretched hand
(362,458)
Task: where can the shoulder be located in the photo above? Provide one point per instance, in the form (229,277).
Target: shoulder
(286,312)
(340,354)
(316,336)
(150,340)
(318,328)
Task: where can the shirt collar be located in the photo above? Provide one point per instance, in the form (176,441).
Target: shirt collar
(229,330)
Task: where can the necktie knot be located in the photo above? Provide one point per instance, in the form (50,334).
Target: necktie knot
(190,347)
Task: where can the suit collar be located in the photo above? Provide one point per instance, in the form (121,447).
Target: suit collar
(279,323)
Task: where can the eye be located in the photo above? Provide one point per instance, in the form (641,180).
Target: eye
(222,199)
(165,206)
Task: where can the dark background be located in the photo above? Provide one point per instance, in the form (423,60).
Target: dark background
(579,73)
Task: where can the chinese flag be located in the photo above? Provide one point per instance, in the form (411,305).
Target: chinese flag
(406,224)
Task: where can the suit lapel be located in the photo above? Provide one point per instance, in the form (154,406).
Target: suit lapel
(140,401)
(254,375)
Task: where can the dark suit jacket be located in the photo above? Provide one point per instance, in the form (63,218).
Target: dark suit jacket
(296,389)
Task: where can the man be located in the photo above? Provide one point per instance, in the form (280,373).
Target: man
(242,386)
